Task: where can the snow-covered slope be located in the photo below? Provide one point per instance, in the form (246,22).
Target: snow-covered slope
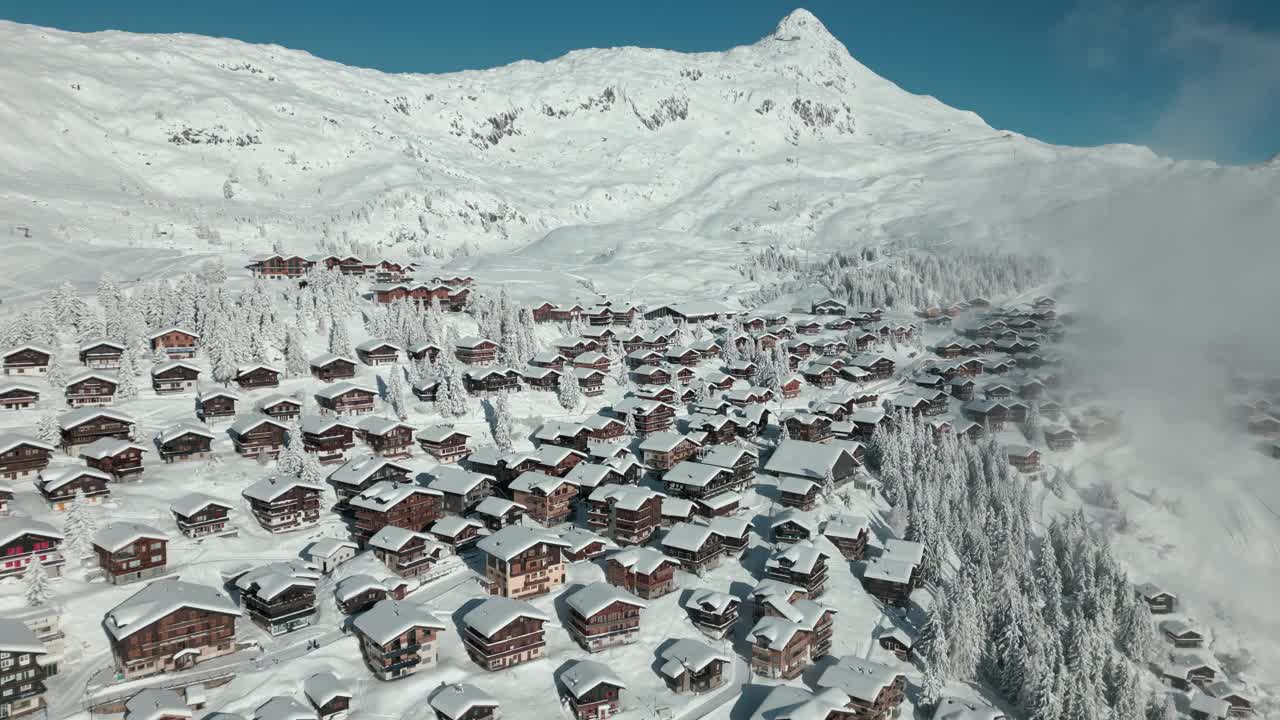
(210,145)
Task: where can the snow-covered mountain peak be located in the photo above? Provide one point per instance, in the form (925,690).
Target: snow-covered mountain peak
(802,25)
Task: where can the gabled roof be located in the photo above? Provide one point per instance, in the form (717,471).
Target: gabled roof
(662,441)
(515,539)
(378,425)
(322,687)
(384,495)
(248,423)
(277,399)
(807,520)
(695,474)
(800,458)
(172,328)
(329,547)
(108,447)
(185,427)
(497,612)
(644,560)
(270,488)
(121,534)
(846,526)
(268,581)
(160,598)
(281,707)
(99,342)
(76,418)
(336,390)
(324,359)
(687,536)
(456,700)
(376,343)
(389,619)
(471,341)
(494,506)
(455,480)
(359,469)
(20,348)
(440,433)
(9,441)
(171,364)
(595,597)
(583,676)
(709,601)
(15,636)
(192,503)
(624,497)
(321,424)
(51,483)
(857,678)
(802,557)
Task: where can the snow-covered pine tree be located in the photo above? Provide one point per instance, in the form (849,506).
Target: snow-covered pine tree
(1032,428)
(291,458)
(57,372)
(963,627)
(500,422)
(339,339)
(570,394)
(396,395)
(454,389)
(310,470)
(629,424)
(127,376)
(47,429)
(78,528)
(37,587)
(296,363)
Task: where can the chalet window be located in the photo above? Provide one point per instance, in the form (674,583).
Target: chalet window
(13,551)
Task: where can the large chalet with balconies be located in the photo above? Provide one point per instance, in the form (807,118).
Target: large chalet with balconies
(101,354)
(130,552)
(25,660)
(386,503)
(330,368)
(184,441)
(120,459)
(170,625)
(24,541)
(22,457)
(175,342)
(647,416)
(407,553)
(280,267)
(460,490)
(60,491)
(82,427)
(346,398)
(626,514)
(256,435)
(252,377)
(327,438)
(445,444)
(694,546)
(174,376)
(284,504)
(398,639)
(214,403)
(198,515)
(18,395)
(280,597)
(547,499)
(502,632)
(476,351)
(522,562)
(362,472)
(602,616)
(643,571)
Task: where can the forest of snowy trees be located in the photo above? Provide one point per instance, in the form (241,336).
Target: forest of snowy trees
(902,279)
(1051,623)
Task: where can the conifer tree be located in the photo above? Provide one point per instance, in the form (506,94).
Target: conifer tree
(396,395)
(339,339)
(47,429)
(296,363)
(500,422)
(38,589)
(57,372)
(127,377)
(570,393)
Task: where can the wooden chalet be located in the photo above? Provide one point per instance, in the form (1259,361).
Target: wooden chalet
(168,626)
(626,514)
(547,499)
(407,506)
(602,616)
(174,376)
(398,639)
(250,377)
(664,450)
(460,490)
(120,459)
(184,441)
(849,534)
(461,701)
(1023,458)
(407,553)
(90,389)
(257,435)
(18,396)
(698,481)
(1059,438)
(26,360)
(497,513)
(893,575)
(330,368)
(175,342)
(328,439)
(473,350)
(522,562)
(346,398)
(592,689)
(361,473)
(61,491)
(357,593)
(714,613)
(478,381)
(27,665)
(25,541)
(198,515)
(377,352)
(387,437)
(284,504)
(1160,601)
(643,571)
(424,352)
(280,597)
(694,546)
(800,564)
(1181,634)
(541,378)
(213,404)
(456,533)
(445,444)
(101,354)
(328,694)
(874,690)
(280,267)
(502,632)
(130,552)
(22,457)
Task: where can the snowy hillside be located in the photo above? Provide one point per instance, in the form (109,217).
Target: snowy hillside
(208,146)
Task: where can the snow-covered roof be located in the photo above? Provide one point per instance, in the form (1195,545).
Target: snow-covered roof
(595,597)
(270,488)
(389,619)
(329,547)
(274,578)
(729,527)
(15,527)
(20,348)
(324,359)
(625,497)
(695,474)
(337,390)
(495,507)
(720,501)
(775,632)
(105,447)
(156,703)
(846,526)
(644,560)
(583,676)
(11,386)
(687,536)
(167,365)
(172,328)
(515,539)
(451,526)
(802,557)
(676,507)
(1151,590)
(956,709)
(393,538)
(454,480)
(355,471)
(186,427)
(282,707)
(376,343)
(9,441)
(192,503)
(1211,707)
(247,423)
(858,678)
(497,612)
(440,433)
(385,494)
(322,687)
(807,520)
(246,369)
(97,342)
(76,418)
(15,636)
(889,570)
(456,700)
(121,534)
(49,484)
(534,481)
(904,550)
(278,399)
(706,600)
(321,424)
(800,458)
(160,598)
(351,586)
(471,341)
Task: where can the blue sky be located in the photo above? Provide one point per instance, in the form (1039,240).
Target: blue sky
(1191,78)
